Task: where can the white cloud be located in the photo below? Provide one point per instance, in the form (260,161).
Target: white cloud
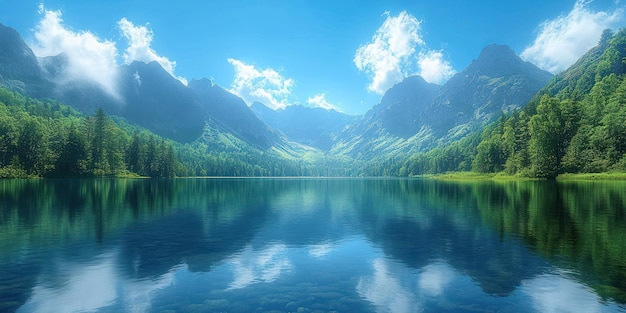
(563,40)
(319,101)
(266,86)
(397,50)
(89,57)
(386,57)
(139,41)
(433,67)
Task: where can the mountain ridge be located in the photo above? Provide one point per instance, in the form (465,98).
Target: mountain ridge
(148,96)
(412,116)
(415,116)
(315,127)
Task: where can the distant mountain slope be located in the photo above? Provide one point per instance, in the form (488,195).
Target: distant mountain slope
(19,68)
(232,114)
(156,100)
(147,96)
(315,127)
(575,124)
(388,126)
(494,83)
(416,116)
(601,60)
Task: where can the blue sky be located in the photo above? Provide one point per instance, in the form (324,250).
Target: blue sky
(341,54)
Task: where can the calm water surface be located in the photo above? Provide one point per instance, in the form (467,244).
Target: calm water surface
(311,245)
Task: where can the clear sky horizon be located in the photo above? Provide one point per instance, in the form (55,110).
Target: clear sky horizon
(339,54)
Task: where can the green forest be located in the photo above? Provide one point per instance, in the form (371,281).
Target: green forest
(576,124)
(45,138)
(49,139)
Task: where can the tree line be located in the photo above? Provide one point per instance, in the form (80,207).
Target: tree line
(576,124)
(45,138)
(49,139)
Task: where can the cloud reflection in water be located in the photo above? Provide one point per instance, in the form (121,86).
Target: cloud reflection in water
(553,293)
(91,287)
(251,266)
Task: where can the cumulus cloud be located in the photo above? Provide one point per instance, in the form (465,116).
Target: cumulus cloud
(561,41)
(319,101)
(397,50)
(433,67)
(266,86)
(89,57)
(139,40)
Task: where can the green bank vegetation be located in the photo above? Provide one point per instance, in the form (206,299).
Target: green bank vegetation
(576,124)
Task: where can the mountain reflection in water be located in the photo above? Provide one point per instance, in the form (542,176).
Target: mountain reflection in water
(242,245)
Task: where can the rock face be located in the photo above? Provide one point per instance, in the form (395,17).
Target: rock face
(414,115)
(315,127)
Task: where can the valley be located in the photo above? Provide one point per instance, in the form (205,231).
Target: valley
(479,120)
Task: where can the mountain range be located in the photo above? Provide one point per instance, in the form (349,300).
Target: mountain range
(315,127)
(415,115)
(412,116)
(148,96)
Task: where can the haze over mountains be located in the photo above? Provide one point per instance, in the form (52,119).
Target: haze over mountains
(148,95)
(412,115)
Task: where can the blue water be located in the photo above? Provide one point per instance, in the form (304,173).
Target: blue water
(310,245)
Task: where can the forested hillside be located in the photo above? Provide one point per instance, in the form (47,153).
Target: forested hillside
(50,139)
(46,138)
(576,124)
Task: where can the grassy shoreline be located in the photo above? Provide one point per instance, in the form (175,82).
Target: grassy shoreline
(592,176)
(474,176)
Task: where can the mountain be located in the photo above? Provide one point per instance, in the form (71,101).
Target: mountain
(388,126)
(154,99)
(19,67)
(415,116)
(600,61)
(230,113)
(146,95)
(315,127)
(496,82)
(574,124)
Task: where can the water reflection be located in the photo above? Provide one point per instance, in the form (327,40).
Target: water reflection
(395,288)
(251,266)
(554,293)
(241,245)
(72,287)
(385,289)
(80,289)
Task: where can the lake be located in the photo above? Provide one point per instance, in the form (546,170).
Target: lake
(311,245)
